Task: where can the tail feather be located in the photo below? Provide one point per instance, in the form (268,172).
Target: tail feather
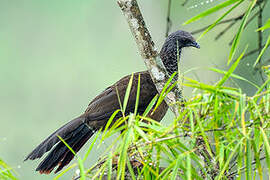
(69,155)
(48,143)
(75,133)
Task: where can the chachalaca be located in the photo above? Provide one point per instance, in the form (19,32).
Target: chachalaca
(77,132)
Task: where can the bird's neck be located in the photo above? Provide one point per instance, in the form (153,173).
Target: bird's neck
(170,60)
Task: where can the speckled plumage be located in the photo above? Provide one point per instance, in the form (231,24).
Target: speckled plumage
(168,53)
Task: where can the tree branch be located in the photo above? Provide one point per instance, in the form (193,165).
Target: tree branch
(148,51)
(169,22)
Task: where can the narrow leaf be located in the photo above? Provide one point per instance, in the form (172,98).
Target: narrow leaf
(263,50)
(210,11)
(240,30)
(219,19)
(232,68)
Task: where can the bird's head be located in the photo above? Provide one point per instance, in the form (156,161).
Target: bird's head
(168,53)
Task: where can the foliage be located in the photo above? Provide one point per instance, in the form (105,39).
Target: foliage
(220,133)
(230,128)
(6,172)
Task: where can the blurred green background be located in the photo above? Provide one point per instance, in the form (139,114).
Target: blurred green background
(56,55)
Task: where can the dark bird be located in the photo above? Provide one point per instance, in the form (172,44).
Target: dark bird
(77,132)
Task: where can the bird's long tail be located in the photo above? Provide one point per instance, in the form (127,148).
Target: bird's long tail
(75,133)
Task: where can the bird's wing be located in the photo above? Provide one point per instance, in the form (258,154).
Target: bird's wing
(103,106)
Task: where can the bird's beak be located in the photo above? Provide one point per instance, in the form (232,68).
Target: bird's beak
(195,44)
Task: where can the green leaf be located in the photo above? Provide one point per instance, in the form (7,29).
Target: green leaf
(235,76)
(81,167)
(248,160)
(130,168)
(141,133)
(6,173)
(262,87)
(66,144)
(211,10)
(80,162)
(91,145)
(108,124)
(205,139)
(137,95)
(65,170)
(167,170)
(109,163)
(123,154)
(176,167)
(257,154)
(267,147)
(127,93)
(240,30)
(263,50)
(234,151)
(231,70)
(188,172)
(266,26)
(150,105)
(219,19)
(166,89)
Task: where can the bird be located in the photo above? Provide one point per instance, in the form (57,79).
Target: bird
(79,130)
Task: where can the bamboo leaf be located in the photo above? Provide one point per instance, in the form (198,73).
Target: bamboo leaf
(79,160)
(234,151)
(219,19)
(204,135)
(257,155)
(176,167)
(130,168)
(141,133)
(211,11)
(189,177)
(263,50)
(267,147)
(248,160)
(150,105)
(65,170)
(235,76)
(127,93)
(66,144)
(81,167)
(231,70)
(138,95)
(240,30)
(266,26)
(108,124)
(91,145)
(123,154)
(109,163)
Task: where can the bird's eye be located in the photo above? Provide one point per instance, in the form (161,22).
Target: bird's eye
(186,41)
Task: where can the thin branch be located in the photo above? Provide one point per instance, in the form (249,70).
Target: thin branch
(187,134)
(266,62)
(225,30)
(147,50)
(169,22)
(249,53)
(249,21)
(185,2)
(260,25)
(260,39)
(254,162)
(232,21)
